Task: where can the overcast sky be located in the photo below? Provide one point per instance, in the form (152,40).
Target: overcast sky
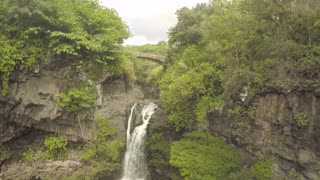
(149,20)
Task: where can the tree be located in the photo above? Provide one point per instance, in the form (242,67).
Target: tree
(35,31)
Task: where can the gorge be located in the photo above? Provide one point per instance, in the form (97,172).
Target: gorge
(233,95)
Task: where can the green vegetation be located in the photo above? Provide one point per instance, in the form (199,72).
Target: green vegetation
(301,119)
(101,155)
(160,49)
(158,149)
(201,156)
(147,71)
(252,112)
(55,147)
(191,95)
(32,154)
(36,31)
(217,49)
(5,153)
(78,99)
(262,170)
(235,111)
(102,149)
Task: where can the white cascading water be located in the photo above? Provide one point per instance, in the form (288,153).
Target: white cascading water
(99,92)
(135,167)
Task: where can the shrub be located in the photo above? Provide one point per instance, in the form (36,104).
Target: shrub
(55,147)
(262,170)
(102,148)
(105,128)
(78,99)
(202,156)
(31,155)
(87,153)
(301,119)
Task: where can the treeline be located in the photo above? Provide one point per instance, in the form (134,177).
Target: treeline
(218,49)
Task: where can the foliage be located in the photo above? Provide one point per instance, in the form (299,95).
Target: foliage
(159,151)
(254,44)
(78,99)
(243,174)
(262,170)
(105,128)
(202,156)
(87,153)
(235,112)
(301,119)
(155,74)
(34,31)
(55,147)
(157,142)
(102,149)
(252,112)
(191,95)
(143,69)
(5,153)
(29,156)
(160,49)
(158,156)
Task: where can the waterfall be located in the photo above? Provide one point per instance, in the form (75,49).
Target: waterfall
(129,124)
(99,92)
(135,167)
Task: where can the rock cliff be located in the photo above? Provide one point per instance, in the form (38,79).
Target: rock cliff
(282,126)
(32,103)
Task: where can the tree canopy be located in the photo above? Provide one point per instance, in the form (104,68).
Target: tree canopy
(36,31)
(218,49)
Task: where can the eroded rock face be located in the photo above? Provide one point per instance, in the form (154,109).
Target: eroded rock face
(32,102)
(274,132)
(117,99)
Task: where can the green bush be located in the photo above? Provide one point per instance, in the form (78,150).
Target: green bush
(301,119)
(105,128)
(78,99)
(102,149)
(55,147)
(31,155)
(87,153)
(262,170)
(202,156)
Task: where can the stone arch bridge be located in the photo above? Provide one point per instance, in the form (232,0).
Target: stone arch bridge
(152,57)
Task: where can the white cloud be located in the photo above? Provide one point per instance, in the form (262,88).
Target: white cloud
(139,40)
(149,20)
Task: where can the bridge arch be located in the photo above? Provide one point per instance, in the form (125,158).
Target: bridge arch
(152,57)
